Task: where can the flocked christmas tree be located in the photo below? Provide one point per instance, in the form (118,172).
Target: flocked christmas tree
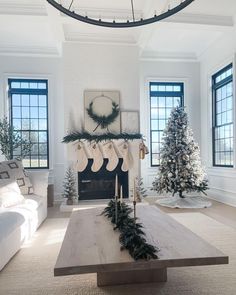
(69,185)
(180,165)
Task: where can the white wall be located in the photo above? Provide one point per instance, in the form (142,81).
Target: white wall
(95,67)
(51,69)
(187,72)
(222,180)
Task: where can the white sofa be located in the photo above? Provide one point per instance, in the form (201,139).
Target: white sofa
(19,222)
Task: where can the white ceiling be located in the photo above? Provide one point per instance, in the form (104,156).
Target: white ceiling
(33,27)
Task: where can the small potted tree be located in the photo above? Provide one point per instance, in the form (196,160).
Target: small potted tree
(69,186)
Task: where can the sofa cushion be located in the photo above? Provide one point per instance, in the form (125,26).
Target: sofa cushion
(9,221)
(32,201)
(10,194)
(13,169)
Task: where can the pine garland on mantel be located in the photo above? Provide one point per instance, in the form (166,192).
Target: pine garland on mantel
(76,135)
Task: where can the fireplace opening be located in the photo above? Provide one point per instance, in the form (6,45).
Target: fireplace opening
(101,184)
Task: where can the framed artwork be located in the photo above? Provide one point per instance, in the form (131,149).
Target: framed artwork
(130,122)
(100,108)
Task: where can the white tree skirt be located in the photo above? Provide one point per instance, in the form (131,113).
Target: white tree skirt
(184,203)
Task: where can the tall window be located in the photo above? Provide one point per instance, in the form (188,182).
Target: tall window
(163,98)
(222,90)
(29,116)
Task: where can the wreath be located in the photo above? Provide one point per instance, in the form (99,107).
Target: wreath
(103,121)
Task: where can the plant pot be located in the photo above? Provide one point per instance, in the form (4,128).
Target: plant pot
(69,202)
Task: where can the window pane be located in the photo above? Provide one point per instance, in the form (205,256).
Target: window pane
(25,135)
(34,124)
(162,102)
(34,112)
(43,162)
(154,113)
(42,149)
(35,149)
(154,102)
(42,85)
(16,100)
(169,88)
(25,124)
(34,161)
(33,85)
(42,112)
(16,123)
(162,124)
(42,100)
(155,136)
(24,85)
(25,112)
(34,137)
(25,100)
(169,102)
(154,124)
(42,124)
(16,112)
(15,85)
(34,100)
(176,101)
(162,113)
(42,136)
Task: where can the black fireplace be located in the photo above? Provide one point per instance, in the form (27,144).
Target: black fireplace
(101,184)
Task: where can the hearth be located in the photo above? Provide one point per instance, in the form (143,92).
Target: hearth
(101,184)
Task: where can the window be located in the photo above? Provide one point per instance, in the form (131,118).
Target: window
(163,98)
(29,116)
(222,90)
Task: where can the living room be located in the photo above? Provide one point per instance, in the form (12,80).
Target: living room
(69,87)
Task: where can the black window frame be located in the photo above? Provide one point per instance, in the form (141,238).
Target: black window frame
(29,91)
(163,94)
(215,87)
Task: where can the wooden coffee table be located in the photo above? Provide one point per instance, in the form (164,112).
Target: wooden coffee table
(92,246)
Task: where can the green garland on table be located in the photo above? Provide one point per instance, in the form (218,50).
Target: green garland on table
(132,236)
(76,135)
(103,121)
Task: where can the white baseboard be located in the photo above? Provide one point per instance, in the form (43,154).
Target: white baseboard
(222,196)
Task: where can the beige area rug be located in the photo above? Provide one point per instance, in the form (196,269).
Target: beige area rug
(30,272)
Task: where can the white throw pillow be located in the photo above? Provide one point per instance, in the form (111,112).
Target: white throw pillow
(14,170)
(10,194)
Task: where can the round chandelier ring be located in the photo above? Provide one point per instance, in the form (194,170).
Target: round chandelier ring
(125,24)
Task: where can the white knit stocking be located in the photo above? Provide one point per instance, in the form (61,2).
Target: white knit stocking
(110,153)
(97,157)
(124,150)
(82,157)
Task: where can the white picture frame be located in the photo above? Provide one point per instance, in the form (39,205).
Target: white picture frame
(130,122)
(102,106)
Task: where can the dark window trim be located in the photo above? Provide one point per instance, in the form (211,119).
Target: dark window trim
(30,91)
(216,86)
(161,94)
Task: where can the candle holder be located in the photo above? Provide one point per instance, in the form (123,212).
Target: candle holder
(116,210)
(134,203)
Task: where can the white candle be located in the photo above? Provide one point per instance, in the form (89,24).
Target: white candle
(134,196)
(116,186)
(121,194)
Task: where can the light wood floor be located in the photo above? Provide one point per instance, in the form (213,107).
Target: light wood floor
(221,212)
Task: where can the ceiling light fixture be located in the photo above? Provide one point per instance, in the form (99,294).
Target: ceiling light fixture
(173,7)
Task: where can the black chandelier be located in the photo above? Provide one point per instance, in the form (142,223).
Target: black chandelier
(134,22)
